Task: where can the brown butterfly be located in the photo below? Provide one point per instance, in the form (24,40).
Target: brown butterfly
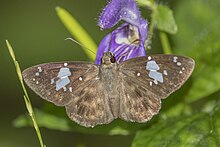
(97,94)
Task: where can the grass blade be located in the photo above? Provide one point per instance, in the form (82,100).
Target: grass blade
(77,32)
(26,97)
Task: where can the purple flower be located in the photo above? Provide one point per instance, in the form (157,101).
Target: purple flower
(127,41)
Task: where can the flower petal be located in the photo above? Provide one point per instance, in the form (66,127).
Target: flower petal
(124,42)
(117,10)
(127,41)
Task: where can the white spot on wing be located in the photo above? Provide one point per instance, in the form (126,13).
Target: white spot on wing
(70,89)
(178,63)
(155,82)
(39,69)
(61,83)
(175,59)
(64,88)
(152,66)
(64,72)
(63,78)
(165,72)
(52,81)
(156,76)
(37,74)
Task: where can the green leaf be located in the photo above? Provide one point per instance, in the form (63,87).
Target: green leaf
(77,32)
(176,110)
(165,20)
(47,120)
(201,129)
(194,20)
(198,37)
(206,79)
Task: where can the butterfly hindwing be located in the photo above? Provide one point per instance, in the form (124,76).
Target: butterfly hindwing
(137,105)
(90,107)
(147,80)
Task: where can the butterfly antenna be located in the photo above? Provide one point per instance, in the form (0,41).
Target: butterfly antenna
(80,44)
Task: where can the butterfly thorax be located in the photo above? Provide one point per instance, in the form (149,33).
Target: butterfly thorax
(109,78)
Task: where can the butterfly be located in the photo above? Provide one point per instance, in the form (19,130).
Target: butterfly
(97,94)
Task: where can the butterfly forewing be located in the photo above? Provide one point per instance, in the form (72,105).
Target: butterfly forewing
(57,82)
(147,80)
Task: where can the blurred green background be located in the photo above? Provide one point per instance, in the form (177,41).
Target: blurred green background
(37,36)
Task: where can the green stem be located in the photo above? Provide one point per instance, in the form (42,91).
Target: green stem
(152,23)
(163,36)
(165,43)
(26,97)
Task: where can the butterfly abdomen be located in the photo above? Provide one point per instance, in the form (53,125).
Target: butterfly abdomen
(110,81)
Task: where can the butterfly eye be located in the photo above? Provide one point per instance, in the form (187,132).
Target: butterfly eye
(113,60)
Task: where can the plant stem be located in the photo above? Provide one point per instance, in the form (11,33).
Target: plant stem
(152,23)
(163,36)
(165,43)
(26,97)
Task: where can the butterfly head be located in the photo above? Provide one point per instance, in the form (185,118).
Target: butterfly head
(108,58)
